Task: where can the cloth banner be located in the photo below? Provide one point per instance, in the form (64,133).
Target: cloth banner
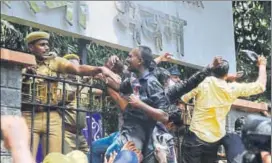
(91,132)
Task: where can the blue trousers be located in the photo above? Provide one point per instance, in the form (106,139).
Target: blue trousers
(104,146)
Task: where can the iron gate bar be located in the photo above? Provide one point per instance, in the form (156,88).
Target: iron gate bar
(62,115)
(77,103)
(49,105)
(48,115)
(33,99)
(59,80)
(91,109)
(90,120)
(103,109)
(60,107)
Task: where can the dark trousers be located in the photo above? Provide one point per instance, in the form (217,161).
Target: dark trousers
(234,147)
(195,150)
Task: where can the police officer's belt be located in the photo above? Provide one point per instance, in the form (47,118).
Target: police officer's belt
(71,128)
(28,108)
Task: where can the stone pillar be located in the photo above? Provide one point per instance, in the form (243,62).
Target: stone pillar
(12,63)
(243,108)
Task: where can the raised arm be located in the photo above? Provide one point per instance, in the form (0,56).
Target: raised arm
(64,66)
(262,78)
(253,88)
(121,101)
(163,58)
(86,70)
(176,91)
(179,89)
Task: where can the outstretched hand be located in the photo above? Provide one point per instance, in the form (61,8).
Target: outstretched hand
(262,60)
(107,72)
(31,70)
(130,146)
(111,61)
(166,57)
(135,101)
(216,61)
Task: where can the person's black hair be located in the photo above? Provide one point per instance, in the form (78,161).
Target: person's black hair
(175,115)
(221,70)
(146,55)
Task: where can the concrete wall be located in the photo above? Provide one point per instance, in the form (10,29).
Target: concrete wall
(10,88)
(11,82)
(203,31)
(10,97)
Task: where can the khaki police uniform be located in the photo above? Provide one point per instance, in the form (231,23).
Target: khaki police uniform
(72,124)
(47,68)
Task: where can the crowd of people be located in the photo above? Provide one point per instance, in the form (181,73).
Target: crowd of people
(152,101)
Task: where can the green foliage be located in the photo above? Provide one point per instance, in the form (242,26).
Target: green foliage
(62,44)
(12,37)
(253,32)
(98,54)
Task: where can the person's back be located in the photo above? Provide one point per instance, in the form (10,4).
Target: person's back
(213,102)
(214,97)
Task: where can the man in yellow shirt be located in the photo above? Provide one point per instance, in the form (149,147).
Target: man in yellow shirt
(214,97)
(48,123)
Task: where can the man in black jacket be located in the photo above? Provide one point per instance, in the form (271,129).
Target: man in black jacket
(140,118)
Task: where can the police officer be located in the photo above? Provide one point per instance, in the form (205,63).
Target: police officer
(49,65)
(174,74)
(75,122)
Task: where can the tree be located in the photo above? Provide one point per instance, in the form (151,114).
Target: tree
(253,32)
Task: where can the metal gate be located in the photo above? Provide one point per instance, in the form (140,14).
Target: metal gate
(42,94)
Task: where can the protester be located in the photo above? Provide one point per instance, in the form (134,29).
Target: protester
(214,97)
(107,145)
(179,89)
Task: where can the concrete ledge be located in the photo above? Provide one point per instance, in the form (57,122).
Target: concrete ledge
(17,57)
(249,106)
